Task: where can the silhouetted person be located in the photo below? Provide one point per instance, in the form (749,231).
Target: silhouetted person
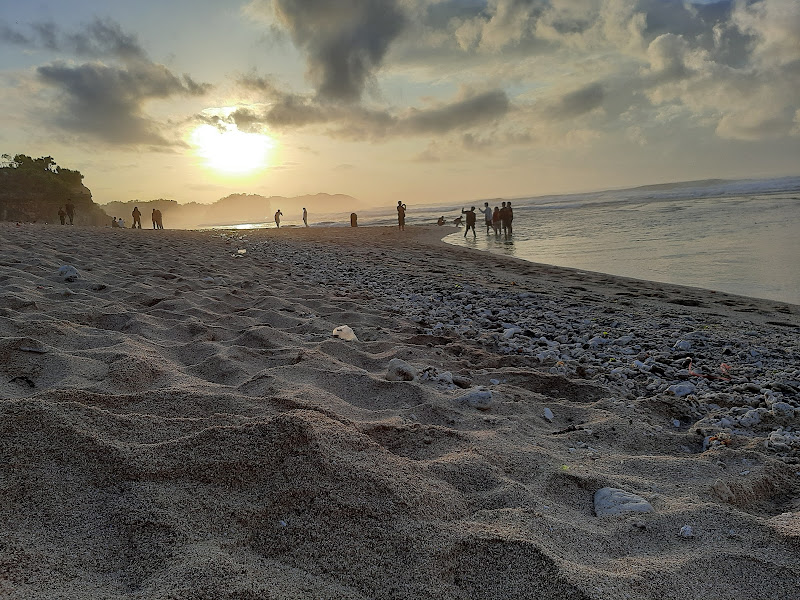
(440,221)
(61,214)
(401,215)
(158,217)
(70,210)
(278,215)
(470,221)
(487,216)
(496,223)
(305,217)
(153,219)
(137,218)
(509,218)
(504,218)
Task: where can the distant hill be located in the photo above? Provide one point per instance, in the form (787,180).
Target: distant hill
(238,208)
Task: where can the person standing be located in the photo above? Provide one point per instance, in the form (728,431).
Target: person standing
(278,215)
(353,220)
(509,219)
(496,223)
(487,216)
(305,217)
(470,220)
(159,222)
(62,215)
(153,219)
(137,218)
(70,210)
(401,215)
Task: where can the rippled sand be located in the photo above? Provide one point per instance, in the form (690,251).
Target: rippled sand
(178,422)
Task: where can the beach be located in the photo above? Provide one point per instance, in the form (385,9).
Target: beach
(179,421)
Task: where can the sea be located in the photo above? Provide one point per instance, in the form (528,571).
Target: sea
(740,237)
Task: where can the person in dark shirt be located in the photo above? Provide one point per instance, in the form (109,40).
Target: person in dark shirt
(401,215)
(470,221)
(137,218)
(70,210)
(62,215)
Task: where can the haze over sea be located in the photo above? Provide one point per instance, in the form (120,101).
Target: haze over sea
(740,237)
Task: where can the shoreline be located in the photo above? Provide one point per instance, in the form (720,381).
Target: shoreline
(183,423)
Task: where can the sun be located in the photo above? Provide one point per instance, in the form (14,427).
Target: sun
(232,151)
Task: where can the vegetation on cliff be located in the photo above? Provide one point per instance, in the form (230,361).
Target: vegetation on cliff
(33,190)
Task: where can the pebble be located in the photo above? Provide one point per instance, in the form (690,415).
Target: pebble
(400,370)
(68,273)
(682,389)
(548,414)
(477,398)
(344,332)
(686,531)
(614,501)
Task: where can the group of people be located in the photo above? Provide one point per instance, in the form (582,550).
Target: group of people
(498,219)
(137,219)
(66,211)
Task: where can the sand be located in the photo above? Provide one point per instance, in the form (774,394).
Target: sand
(179,422)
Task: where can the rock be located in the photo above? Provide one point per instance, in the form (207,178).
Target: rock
(682,345)
(686,531)
(400,370)
(548,414)
(68,273)
(345,333)
(614,501)
(478,398)
(783,410)
(461,381)
(682,389)
(722,491)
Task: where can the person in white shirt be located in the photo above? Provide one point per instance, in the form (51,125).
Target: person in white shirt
(487,215)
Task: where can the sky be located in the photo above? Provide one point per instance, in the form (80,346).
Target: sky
(424,101)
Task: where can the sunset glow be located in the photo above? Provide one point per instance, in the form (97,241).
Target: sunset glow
(232,151)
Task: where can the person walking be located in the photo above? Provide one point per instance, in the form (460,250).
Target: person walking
(471,216)
(401,215)
(278,215)
(70,210)
(305,217)
(487,216)
(62,214)
(137,218)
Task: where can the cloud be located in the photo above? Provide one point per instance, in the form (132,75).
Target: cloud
(293,111)
(345,41)
(102,38)
(104,99)
(577,103)
(107,102)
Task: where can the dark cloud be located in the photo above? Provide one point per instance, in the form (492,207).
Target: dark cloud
(102,38)
(103,100)
(345,41)
(106,102)
(353,121)
(462,114)
(579,102)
